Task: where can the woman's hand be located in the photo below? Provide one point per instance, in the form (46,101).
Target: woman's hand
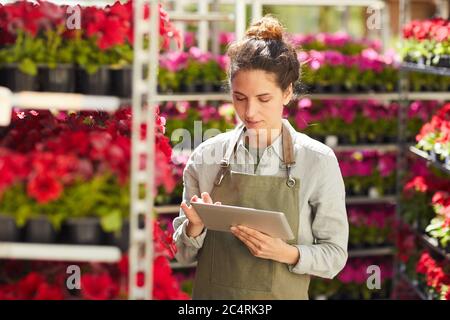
(195,225)
(266,247)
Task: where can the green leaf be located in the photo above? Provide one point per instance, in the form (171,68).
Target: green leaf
(112,222)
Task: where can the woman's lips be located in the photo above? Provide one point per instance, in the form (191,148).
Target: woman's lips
(252,123)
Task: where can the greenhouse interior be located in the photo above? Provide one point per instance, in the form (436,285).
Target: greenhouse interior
(89,88)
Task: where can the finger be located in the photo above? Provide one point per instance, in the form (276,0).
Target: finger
(206,197)
(194,198)
(250,245)
(253,233)
(256,244)
(218,203)
(190,212)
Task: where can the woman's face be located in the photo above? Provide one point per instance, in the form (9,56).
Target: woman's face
(259,101)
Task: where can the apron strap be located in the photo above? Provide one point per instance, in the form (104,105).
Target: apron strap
(288,154)
(225,162)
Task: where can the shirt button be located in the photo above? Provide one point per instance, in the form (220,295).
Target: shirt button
(269,151)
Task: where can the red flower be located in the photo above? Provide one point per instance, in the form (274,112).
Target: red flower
(48,292)
(44,188)
(418,184)
(98,287)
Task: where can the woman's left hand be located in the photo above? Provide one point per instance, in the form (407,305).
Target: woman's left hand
(266,247)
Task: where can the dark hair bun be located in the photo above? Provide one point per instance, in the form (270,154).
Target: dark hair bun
(267,28)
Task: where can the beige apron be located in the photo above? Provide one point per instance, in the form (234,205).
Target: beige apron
(226,268)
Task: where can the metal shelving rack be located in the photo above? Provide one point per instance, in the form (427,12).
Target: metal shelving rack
(404,148)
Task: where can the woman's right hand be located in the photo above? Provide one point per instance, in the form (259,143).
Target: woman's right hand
(195,225)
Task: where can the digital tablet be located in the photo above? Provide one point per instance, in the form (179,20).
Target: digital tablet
(222,217)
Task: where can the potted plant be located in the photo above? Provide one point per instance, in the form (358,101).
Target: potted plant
(18,63)
(121,70)
(92,73)
(191,81)
(39,221)
(82,226)
(56,70)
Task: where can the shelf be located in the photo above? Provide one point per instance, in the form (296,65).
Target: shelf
(59,252)
(316,3)
(178,266)
(389,96)
(368,200)
(409,66)
(433,245)
(381,251)
(192,17)
(357,147)
(424,155)
(168,209)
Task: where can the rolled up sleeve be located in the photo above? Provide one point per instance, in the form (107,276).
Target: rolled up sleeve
(328,255)
(187,247)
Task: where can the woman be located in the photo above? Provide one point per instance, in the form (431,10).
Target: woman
(292,173)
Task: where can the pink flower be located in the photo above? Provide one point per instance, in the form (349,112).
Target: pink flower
(226,38)
(386,165)
(333,58)
(189,39)
(223,61)
(199,55)
(346,275)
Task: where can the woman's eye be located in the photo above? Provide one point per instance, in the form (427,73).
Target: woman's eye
(240,99)
(265,100)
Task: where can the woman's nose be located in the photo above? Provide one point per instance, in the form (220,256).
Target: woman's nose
(251,110)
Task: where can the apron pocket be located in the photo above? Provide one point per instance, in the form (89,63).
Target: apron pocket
(234,266)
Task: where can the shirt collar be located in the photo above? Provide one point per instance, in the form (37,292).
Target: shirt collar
(276,145)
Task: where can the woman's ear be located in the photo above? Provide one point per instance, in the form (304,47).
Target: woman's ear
(287,95)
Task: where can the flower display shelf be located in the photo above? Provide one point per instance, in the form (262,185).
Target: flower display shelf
(425,156)
(392,96)
(168,209)
(177,266)
(369,200)
(374,147)
(425,69)
(59,252)
(381,251)
(432,244)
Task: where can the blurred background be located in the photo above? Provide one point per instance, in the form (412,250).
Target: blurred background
(73,170)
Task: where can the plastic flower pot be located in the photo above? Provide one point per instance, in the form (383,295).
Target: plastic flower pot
(191,87)
(82,231)
(14,79)
(335,88)
(120,239)
(344,140)
(389,139)
(207,87)
(58,79)
(97,83)
(379,87)
(362,88)
(121,81)
(444,61)
(218,87)
(39,230)
(9,232)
